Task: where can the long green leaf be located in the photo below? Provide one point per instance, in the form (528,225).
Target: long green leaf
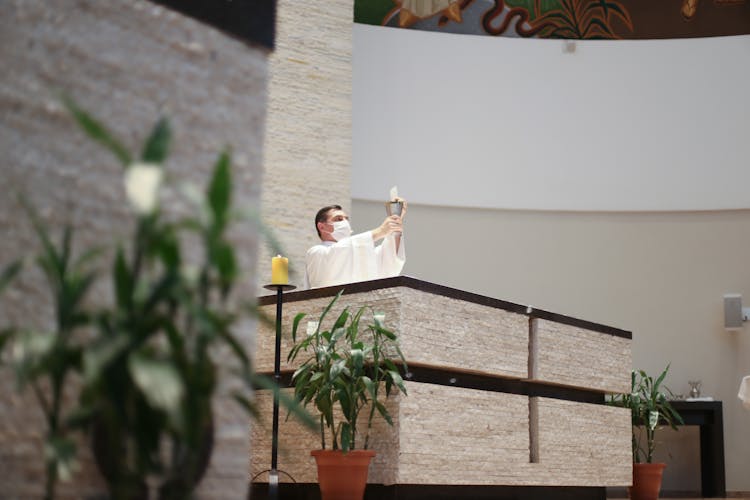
(234,345)
(156,148)
(49,254)
(97,131)
(295,325)
(247,405)
(158,380)
(60,452)
(100,355)
(124,281)
(226,264)
(341,320)
(220,189)
(384,412)
(329,306)
(6,335)
(346,437)
(9,273)
(291,404)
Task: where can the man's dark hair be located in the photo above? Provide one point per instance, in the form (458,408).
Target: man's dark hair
(322,215)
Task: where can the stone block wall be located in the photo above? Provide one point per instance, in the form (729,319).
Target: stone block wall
(575,356)
(128,63)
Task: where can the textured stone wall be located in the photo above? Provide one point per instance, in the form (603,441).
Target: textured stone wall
(461,335)
(451,435)
(582,358)
(308,141)
(128,63)
(583,444)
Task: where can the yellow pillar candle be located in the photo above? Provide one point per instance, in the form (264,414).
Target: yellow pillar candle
(279,270)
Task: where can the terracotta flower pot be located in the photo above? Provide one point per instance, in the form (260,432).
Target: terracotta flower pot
(646,481)
(342,476)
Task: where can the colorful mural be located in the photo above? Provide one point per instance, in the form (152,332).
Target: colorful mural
(570,19)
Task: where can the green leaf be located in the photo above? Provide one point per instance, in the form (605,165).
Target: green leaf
(73,293)
(156,148)
(295,325)
(383,331)
(124,281)
(220,189)
(60,452)
(97,131)
(86,257)
(100,355)
(34,345)
(9,273)
(329,306)
(396,377)
(5,335)
(161,291)
(341,320)
(158,380)
(653,419)
(247,405)
(384,412)
(169,250)
(79,417)
(337,368)
(358,358)
(49,259)
(370,386)
(234,345)
(344,400)
(346,436)
(65,245)
(225,263)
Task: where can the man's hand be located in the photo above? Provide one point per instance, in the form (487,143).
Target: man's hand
(391,224)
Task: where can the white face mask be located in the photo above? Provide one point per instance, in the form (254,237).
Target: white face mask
(341,230)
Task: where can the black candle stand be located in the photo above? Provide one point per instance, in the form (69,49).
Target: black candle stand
(273,475)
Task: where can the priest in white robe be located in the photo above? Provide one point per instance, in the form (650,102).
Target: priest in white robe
(345,258)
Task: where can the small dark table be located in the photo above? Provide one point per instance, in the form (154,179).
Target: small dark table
(708,415)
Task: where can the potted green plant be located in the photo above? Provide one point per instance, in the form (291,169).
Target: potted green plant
(349,368)
(649,406)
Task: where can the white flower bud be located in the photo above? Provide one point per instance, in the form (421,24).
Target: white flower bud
(142,182)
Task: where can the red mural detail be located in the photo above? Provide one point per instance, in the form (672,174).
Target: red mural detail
(516,12)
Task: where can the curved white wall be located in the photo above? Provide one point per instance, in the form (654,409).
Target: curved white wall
(658,127)
(488,122)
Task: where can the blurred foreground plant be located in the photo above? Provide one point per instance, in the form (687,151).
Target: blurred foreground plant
(151,361)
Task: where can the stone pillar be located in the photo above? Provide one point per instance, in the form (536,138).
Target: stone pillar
(308,140)
(128,63)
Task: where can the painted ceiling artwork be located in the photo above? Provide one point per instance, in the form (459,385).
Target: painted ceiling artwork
(569,19)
